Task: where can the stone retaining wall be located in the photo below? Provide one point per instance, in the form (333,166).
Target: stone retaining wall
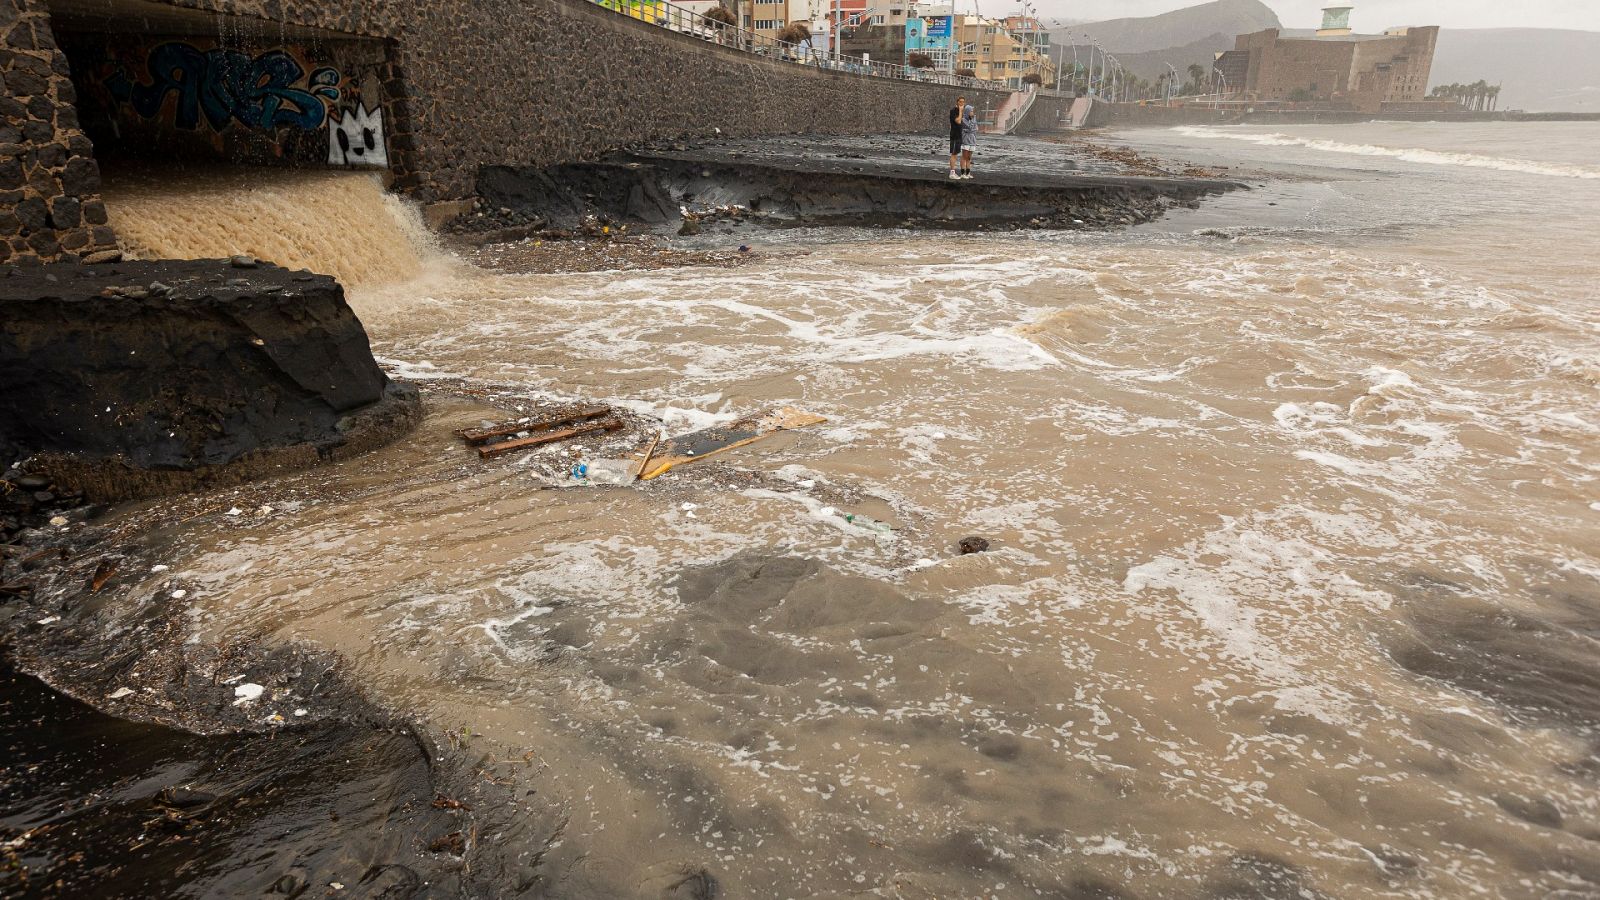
(522,82)
(49,182)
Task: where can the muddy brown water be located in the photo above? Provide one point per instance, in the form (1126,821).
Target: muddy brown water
(1293,506)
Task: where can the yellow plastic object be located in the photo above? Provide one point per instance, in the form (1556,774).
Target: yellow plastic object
(708,442)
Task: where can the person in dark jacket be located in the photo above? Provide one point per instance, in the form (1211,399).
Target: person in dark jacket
(956,133)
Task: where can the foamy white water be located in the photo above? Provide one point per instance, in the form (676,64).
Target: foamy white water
(1294,576)
(1409,154)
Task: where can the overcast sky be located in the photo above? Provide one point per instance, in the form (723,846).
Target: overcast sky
(1370,15)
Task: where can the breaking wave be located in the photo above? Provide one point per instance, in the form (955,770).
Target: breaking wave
(1409,154)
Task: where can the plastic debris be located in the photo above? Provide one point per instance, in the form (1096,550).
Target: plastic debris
(604,471)
(235,511)
(300,712)
(699,445)
(121,692)
(49,620)
(58,521)
(249,692)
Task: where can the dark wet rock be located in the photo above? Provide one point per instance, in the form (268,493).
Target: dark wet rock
(205,386)
(1533,810)
(227,822)
(973,544)
(33,482)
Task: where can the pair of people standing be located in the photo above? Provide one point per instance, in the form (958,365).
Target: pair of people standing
(963,139)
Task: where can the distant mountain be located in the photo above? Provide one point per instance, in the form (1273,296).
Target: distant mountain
(1539,69)
(1151,64)
(1174,29)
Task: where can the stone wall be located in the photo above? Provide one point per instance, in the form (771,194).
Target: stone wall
(49,181)
(467,84)
(528,82)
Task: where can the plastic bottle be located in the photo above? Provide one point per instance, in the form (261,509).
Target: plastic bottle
(605,471)
(857,520)
(868,523)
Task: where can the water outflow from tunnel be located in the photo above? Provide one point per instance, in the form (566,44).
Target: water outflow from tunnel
(343,224)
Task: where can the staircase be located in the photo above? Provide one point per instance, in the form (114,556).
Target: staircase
(1012,112)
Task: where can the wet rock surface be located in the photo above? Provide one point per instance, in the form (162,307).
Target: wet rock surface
(99,806)
(137,378)
(883,181)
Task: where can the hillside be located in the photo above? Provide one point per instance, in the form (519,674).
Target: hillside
(1151,64)
(1174,29)
(1539,69)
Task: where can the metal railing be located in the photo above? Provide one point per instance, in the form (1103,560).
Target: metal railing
(687,22)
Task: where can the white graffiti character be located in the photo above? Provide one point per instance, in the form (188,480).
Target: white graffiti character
(356,138)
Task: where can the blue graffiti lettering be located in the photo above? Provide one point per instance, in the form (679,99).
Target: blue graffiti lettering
(229,86)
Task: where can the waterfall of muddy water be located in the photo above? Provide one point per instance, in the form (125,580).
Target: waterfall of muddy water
(1296,581)
(337,223)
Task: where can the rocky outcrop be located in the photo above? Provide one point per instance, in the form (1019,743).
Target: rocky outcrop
(141,378)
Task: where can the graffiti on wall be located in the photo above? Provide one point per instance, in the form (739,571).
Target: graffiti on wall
(268,91)
(356,138)
(267,102)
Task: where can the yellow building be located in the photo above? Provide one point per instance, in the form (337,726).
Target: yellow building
(994,53)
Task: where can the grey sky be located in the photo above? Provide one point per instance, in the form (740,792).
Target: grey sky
(1370,15)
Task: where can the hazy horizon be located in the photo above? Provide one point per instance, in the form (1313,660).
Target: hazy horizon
(1369,16)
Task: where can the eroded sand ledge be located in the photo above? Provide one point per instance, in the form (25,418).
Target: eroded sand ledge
(136,379)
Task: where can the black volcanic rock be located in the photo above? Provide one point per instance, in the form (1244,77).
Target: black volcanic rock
(122,391)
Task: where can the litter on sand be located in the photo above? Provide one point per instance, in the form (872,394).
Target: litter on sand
(699,445)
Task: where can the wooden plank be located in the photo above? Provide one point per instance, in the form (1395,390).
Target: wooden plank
(648,453)
(709,442)
(540,439)
(540,423)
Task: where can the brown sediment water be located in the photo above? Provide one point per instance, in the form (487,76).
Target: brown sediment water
(1293,586)
(337,223)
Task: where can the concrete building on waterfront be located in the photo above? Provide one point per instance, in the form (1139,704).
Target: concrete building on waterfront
(993,52)
(1361,72)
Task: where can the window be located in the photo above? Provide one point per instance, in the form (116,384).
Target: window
(768,24)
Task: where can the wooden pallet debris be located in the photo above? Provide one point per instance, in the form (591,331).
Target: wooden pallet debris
(542,422)
(547,437)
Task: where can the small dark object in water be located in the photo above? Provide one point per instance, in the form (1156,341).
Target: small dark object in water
(973,544)
(452,843)
(744,248)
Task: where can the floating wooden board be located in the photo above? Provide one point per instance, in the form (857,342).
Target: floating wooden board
(698,445)
(533,423)
(548,437)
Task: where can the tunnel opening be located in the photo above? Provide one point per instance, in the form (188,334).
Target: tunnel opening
(222,135)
